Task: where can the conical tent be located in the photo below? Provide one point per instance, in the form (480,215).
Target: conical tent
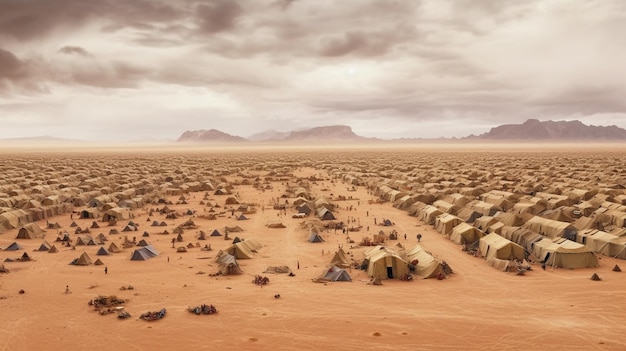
(113,248)
(228,264)
(102,251)
(216,233)
(45,246)
(53,249)
(98,262)
(340,259)
(83,260)
(13,247)
(315,238)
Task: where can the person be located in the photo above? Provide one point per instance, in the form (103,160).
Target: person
(419,237)
(67,289)
(106,270)
(404,236)
(298,264)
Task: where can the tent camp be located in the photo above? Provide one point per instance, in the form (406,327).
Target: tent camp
(30,231)
(384,263)
(144,253)
(426,266)
(564,253)
(465,233)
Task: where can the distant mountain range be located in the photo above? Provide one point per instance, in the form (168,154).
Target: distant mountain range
(531,130)
(534,129)
(336,133)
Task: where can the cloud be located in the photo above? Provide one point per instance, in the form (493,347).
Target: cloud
(218,15)
(74,50)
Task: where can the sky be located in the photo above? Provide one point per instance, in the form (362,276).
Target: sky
(113,70)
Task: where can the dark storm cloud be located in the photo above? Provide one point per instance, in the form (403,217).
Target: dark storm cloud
(218,15)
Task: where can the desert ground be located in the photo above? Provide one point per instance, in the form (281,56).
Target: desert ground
(475,307)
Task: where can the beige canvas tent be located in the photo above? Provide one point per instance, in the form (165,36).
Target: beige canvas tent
(564,253)
(384,263)
(465,233)
(446,222)
(426,266)
(429,214)
(551,228)
(521,236)
(340,259)
(495,246)
(603,243)
(116,214)
(30,231)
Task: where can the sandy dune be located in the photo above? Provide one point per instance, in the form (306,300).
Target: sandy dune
(476,307)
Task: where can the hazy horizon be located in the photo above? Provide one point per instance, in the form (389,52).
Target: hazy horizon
(150,70)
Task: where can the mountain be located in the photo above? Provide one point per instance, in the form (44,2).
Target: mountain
(211,135)
(268,135)
(326,133)
(534,129)
(41,140)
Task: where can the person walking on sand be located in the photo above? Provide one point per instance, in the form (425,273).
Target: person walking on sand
(106,270)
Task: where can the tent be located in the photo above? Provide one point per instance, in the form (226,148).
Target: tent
(429,214)
(445,222)
(98,262)
(234,229)
(551,228)
(242,217)
(384,263)
(494,246)
(113,248)
(315,238)
(325,214)
(340,259)
(45,246)
(13,247)
(216,232)
(102,251)
(465,234)
(117,214)
(564,253)
(53,249)
(228,264)
(603,243)
(143,242)
(83,260)
(521,236)
(144,253)
(30,231)
(334,274)
(239,250)
(426,266)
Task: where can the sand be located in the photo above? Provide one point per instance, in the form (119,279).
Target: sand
(477,307)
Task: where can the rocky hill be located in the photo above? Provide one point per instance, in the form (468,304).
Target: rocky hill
(335,133)
(211,135)
(534,129)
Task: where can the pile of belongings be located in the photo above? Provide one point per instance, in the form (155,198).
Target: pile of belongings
(153,316)
(203,309)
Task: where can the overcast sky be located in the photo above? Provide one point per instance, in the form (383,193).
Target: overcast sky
(128,70)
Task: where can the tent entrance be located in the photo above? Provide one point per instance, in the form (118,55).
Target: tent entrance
(390,272)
